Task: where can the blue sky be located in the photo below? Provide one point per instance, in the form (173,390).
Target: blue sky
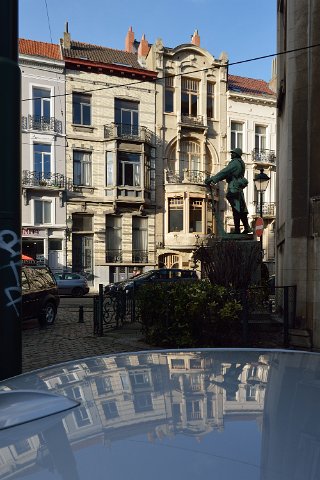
(243,28)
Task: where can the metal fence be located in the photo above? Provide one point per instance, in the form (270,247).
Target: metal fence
(262,308)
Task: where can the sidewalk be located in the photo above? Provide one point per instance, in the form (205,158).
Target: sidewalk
(68,340)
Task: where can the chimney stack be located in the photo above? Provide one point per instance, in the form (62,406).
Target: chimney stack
(129,41)
(143,49)
(66,37)
(195,38)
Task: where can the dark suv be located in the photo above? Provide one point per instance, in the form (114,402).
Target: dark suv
(155,276)
(40,297)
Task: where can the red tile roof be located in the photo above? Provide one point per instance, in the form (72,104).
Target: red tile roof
(39,49)
(250,86)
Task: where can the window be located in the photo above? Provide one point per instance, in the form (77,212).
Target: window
(189,97)
(81,168)
(82,253)
(42,160)
(140,379)
(195,215)
(127,117)
(260,138)
(109,169)
(210,100)
(42,212)
(190,157)
(82,417)
(169,95)
(236,135)
(177,363)
(103,385)
(139,239)
(41,104)
(142,402)
(194,411)
(129,169)
(81,105)
(110,410)
(113,238)
(82,223)
(176,214)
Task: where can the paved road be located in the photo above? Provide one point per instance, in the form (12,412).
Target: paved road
(68,339)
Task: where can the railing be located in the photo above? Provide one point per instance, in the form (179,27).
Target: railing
(263,156)
(114,256)
(139,256)
(268,209)
(196,121)
(129,132)
(41,179)
(32,122)
(188,176)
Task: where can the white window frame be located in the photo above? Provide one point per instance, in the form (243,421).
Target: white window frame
(43,199)
(237,134)
(82,164)
(44,87)
(260,136)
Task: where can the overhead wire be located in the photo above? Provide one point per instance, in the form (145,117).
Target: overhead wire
(226,65)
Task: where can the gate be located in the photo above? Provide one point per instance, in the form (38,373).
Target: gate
(112,310)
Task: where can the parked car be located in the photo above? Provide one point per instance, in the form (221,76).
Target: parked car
(155,276)
(192,414)
(71,284)
(40,298)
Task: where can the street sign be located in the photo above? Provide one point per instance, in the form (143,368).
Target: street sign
(259,226)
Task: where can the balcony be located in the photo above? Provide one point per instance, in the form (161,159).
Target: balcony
(268,209)
(188,176)
(263,156)
(114,256)
(43,124)
(129,132)
(43,180)
(193,121)
(139,256)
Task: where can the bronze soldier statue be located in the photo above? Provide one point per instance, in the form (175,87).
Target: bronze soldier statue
(233,173)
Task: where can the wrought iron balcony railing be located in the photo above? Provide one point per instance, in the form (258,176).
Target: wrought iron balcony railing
(129,132)
(33,122)
(268,209)
(187,176)
(263,156)
(114,256)
(189,120)
(139,256)
(41,179)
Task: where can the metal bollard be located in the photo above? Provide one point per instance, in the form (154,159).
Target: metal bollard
(81,314)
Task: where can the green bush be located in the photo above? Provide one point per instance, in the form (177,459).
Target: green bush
(185,315)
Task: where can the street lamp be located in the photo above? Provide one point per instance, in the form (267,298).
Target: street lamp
(261,181)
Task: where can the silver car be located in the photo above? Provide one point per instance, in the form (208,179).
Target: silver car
(189,414)
(71,284)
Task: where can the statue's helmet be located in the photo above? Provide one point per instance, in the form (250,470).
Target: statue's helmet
(237,151)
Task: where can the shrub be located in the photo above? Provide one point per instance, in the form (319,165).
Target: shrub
(185,315)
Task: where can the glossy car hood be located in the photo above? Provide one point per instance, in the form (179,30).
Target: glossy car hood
(218,414)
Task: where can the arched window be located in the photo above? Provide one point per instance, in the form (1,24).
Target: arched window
(190,156)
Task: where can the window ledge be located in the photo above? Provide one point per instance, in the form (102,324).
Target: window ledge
(82,128)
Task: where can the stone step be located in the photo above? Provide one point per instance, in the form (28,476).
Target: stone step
(300,338)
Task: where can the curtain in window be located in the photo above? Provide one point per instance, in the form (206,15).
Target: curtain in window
(139,234)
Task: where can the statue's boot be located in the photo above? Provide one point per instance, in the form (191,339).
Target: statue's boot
(244,220)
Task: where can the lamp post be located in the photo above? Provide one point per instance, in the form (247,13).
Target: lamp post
(261,181)
(69,223)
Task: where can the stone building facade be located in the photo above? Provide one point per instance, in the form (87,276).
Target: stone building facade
(110,160)
(298,173)
(191,124)
(251,125)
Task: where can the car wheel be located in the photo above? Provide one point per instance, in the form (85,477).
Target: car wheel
(48,314)
(77,292)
